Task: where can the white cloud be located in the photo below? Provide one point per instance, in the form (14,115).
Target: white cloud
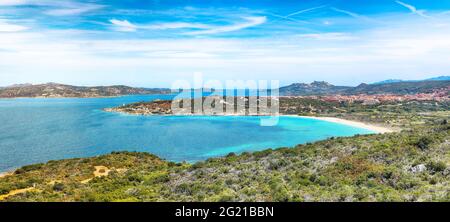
(12,2)
(176,25)
(126,26)
(288,17)
(304,11)
(55,7)
(250,22)
(328,36)
(73,9)
(352,14)
(406,48)
(123,25)
(5,26)
(414,10)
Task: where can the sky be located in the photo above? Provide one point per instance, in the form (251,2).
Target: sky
(152,43)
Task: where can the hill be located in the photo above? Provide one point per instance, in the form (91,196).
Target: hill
(391,87)
(315,88)
(55,90)
(439,78)
(388,81)
(400,87)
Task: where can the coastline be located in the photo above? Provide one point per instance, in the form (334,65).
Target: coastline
(7,173)
(353,123)
(375,128)
(367,126)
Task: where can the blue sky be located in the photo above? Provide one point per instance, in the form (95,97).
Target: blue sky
(152,43)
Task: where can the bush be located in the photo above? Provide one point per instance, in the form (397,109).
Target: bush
(184,188)
(231,154)
(277,164)
(135,178)
(58,187)
(436,166)
(424,143)
(4,190)
(29,168)
(226,198)
(198,165)
(264,153)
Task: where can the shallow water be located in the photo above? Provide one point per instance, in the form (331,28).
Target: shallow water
(38,130)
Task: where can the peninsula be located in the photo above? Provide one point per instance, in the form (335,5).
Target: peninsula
(56,90)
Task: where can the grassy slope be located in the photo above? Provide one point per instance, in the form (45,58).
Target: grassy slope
(359,168)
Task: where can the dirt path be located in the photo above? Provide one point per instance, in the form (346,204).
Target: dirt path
(14,192)
(102,171)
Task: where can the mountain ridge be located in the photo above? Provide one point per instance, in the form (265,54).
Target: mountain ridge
(403,87)
(438,78)
(57,90)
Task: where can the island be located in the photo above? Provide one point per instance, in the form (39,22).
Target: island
(56,90)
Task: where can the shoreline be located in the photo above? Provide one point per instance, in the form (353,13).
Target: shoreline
(353,123)
(368,126)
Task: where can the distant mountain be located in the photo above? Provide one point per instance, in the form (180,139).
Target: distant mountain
(19,85)
(402,87)
(60,90)
(439,78)
(314,88)
(388,81)
(55,90)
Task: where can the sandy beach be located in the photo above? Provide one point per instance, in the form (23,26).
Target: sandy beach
(378,129)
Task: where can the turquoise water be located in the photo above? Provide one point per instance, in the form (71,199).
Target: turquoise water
(38,130)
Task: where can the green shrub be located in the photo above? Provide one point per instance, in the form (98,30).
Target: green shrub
(436,167)
(424,143)
(58,187)
(28,168)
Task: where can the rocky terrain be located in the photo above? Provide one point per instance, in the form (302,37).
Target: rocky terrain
(55,90)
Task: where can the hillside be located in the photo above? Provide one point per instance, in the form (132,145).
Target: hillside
(391,87)
(314,88)
(400,87)
(440,78)
(54,90)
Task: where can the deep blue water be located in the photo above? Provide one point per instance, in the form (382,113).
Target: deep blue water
(38,130)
